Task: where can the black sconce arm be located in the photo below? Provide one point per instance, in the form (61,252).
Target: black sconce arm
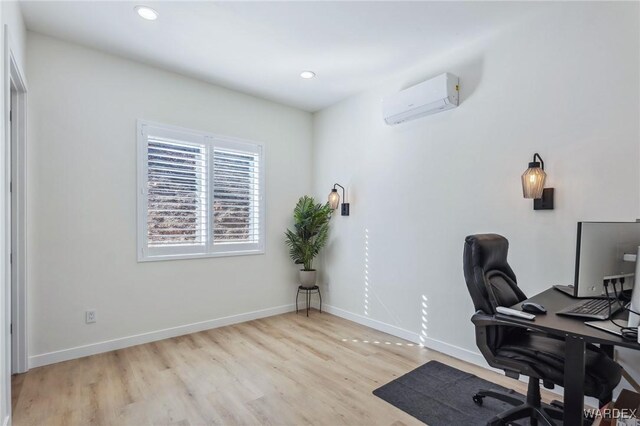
(344,210)
(539,158)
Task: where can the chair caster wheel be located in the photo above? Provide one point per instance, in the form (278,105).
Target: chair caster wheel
(477,399)
(557,404)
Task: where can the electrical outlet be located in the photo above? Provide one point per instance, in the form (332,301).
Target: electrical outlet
(90,316)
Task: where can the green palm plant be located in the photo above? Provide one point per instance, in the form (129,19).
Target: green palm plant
(311,231)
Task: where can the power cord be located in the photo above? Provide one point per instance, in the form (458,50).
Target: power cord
(628,333)
(619,297)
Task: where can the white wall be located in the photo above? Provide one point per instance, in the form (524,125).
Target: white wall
(83,107)
(564,84)
(11,18)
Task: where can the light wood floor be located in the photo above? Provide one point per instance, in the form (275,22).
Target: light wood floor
(287,369)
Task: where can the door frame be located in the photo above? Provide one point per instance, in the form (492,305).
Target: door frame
(18,226)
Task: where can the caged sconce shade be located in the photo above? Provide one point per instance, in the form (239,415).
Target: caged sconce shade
(533,185)
(334,200)
(533,181)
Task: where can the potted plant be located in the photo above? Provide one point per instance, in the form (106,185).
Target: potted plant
(309,237)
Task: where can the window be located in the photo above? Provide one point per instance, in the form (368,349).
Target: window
(199,195)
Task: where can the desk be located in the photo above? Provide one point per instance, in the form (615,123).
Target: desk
(576,335)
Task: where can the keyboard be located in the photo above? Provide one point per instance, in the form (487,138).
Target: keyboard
(597,309)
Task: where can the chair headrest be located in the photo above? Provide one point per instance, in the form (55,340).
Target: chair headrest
(485,256)
(488,252)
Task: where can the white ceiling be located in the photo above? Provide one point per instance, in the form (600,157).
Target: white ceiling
(261,47)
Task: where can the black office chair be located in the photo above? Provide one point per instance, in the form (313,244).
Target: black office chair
(517,349)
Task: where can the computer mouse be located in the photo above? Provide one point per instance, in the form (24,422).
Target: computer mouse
(533,308)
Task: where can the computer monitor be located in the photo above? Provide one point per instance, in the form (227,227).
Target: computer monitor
(634,319)
(601,247)
(617,326)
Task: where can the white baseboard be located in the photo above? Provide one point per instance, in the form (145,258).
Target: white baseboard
(375,324)
(454,351)
(152,336)
(437,345)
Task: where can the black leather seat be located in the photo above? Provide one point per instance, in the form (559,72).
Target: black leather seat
(517,350)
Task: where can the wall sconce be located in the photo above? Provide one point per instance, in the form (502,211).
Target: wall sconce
(334,200)
(533,185)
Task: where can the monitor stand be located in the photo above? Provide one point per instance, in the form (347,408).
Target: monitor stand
(608,326)
(569,290)
(566,289)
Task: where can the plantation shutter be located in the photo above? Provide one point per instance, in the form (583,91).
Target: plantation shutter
(177,181)
(199,195)
(237,199)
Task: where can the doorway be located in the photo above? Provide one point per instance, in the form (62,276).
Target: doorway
(15,213)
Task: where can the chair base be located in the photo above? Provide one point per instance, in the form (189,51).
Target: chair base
(533,409)
(543,415)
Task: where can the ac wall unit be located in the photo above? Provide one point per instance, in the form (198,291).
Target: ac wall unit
(429,97)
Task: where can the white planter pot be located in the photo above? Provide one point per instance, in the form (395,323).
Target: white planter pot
(307,278)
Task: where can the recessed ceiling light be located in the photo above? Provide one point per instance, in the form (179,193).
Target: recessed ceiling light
(307,74)
(146,12)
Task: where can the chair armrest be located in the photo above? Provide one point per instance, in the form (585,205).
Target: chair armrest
(481,319)
(482,322)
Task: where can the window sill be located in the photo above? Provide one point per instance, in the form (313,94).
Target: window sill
(159,258)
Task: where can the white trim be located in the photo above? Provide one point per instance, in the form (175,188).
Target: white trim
(454,351)
(152,336)
(163,257)
(211,142)
(375,324)
(434,344)
(6,421)
(19,301)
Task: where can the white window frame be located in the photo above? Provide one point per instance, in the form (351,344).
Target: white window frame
(209,248)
